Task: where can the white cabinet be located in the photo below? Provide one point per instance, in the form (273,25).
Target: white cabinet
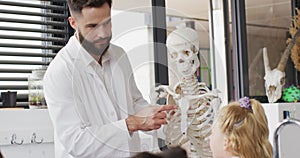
(289,137)
(26,133)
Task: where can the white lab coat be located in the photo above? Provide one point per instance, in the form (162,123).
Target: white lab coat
(88,103)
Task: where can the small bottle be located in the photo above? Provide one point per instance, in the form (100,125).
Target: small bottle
(35,86)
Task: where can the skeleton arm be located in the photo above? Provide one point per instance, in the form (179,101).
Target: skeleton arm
(213,93)
(161,91)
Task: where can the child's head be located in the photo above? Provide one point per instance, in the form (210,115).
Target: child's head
(241,129)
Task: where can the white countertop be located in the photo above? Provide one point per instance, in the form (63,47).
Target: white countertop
(23,123)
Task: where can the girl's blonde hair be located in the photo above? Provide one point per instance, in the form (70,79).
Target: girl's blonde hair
(246,129)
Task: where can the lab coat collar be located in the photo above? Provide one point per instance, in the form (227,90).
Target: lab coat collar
(82,57)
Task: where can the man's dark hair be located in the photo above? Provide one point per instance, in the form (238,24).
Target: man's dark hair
(77,5)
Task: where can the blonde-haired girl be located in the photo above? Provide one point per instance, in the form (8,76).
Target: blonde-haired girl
(241,130)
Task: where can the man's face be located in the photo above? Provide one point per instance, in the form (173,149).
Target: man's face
(93,26)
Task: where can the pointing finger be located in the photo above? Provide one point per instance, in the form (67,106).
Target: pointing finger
(161,114)
(167,107)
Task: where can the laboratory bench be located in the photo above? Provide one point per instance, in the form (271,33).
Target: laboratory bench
(26,133)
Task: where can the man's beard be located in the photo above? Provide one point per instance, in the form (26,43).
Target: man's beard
(90,46)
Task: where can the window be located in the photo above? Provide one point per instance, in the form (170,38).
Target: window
(259,24)
(267,26)
(31,33)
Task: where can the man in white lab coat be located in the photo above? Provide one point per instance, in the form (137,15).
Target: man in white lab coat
(93,101)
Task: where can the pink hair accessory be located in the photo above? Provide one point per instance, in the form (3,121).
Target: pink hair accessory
(245,103)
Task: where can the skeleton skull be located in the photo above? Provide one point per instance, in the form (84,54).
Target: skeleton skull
(183,45)
(274,80)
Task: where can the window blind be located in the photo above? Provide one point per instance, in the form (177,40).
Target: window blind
(31,33)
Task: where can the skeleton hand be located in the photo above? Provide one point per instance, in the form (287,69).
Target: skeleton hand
(160,90)
(154,96)
(164,91)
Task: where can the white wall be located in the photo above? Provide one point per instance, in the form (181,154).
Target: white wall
(135,37)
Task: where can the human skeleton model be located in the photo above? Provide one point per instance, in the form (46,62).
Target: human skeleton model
(193,118)
(275,79)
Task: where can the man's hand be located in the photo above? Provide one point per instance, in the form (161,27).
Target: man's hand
(149,118)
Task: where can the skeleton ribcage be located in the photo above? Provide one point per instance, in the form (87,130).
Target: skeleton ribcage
(199,121)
